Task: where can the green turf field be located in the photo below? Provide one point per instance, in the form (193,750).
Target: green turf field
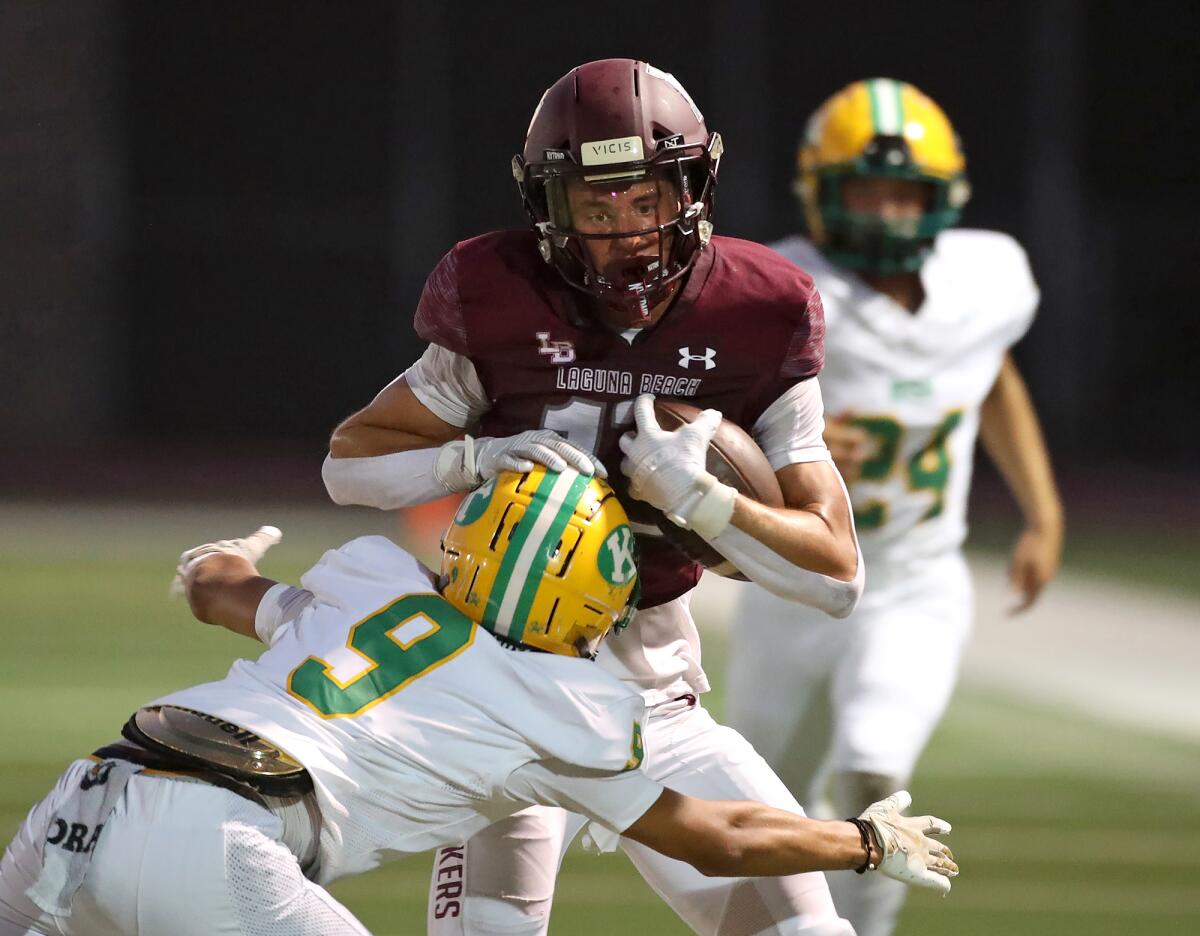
(1063,825)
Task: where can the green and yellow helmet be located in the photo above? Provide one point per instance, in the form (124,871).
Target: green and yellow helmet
(543,558)
(879,127)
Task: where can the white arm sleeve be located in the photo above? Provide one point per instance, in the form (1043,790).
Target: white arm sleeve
(281,605)
(388,482)
(615,800)
(767,568)
(448,385)
(789,430)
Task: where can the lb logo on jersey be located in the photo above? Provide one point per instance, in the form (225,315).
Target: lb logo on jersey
(560,352)
(709,357)
(617,560)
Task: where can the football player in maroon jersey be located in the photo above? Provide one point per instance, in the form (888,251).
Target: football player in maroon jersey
(546,347)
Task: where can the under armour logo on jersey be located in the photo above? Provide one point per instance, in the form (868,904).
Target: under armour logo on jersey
(561,352)
(709,357)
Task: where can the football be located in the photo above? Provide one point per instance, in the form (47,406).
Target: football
(735,459)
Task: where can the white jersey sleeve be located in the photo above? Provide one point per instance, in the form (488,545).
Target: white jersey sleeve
(447,384)
(790,430)
(616,801)
(281,605)
(993,270)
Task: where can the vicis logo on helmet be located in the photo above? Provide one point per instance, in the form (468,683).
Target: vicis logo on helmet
(622,149)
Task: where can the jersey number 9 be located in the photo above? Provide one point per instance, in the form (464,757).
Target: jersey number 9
(400,643)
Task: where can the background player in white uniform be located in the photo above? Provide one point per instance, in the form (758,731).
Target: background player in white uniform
(415,725)
(920,320)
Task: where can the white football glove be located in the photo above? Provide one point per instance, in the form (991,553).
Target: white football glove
(909,854)
(666,470)
(466,464)
(251,547)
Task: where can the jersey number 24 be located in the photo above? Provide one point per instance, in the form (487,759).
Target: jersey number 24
(926,470)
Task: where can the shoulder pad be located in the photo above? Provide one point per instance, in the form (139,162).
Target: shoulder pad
(439,318)
(365,571)
(993,266)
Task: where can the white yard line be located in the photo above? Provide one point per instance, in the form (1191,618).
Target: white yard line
(1118,652)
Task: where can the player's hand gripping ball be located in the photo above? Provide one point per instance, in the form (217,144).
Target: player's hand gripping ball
(729,455)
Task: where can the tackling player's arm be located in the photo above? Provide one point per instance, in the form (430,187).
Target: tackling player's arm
(226,590)
(1012,437)
(735,839)
(742,839)
(221,583)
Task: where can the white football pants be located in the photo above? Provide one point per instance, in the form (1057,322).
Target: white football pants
(175,858)
(821,699)
(502,881)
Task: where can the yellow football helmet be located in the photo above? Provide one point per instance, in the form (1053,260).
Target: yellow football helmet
(542,558)
(879,127)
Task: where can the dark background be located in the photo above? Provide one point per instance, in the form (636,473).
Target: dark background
(217,217)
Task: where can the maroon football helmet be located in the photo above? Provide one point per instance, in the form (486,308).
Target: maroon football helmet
(613,134)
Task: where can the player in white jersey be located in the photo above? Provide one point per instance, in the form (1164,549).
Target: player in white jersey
(920,318)
(391,716)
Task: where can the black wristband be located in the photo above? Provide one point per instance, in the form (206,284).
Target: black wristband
(864,833)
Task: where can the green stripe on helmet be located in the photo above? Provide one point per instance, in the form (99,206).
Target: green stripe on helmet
(887,108)
(873,96)
(550,540)
(496,596)
(558,493)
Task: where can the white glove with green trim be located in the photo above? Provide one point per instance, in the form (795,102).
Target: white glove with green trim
(909,854)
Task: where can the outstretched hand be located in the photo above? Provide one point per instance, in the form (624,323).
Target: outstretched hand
(909,853)
(251,548)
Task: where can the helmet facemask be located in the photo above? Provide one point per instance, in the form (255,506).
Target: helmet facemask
(871,243)
(624,233)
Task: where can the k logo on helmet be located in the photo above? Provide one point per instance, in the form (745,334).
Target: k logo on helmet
(617,559)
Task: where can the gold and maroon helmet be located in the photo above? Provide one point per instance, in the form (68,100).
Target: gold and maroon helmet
(605,127)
